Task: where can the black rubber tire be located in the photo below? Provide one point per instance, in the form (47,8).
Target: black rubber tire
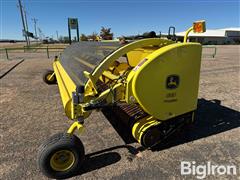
(60,141)
(46,74)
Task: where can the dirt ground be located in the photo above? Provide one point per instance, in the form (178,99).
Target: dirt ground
(31,111)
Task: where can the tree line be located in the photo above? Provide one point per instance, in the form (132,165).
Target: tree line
(105,34)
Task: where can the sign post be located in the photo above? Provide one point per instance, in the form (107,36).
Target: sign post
(73,24)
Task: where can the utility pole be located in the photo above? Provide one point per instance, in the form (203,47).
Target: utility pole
(40,34)
(35,25)
(57,34)
(69,32)
(23,23)
(25,15)
(77,32)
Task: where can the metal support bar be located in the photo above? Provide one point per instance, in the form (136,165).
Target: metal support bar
(33,48)
(69,32)
(186,35)
(7,53)
(47,52)
(74,126)
(77,32)
(215,52)
(26,48)
(212,54)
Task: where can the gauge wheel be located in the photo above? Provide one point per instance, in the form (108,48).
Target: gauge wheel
(61,156)
(49,78)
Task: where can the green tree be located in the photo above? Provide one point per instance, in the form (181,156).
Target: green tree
(66,39)
(106,34)
(83,37)
(63,39)
(93,36)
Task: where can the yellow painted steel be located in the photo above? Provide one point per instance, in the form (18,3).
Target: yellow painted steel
(110,75)
(62,160)
(152,61)
(124,50)
(187,33)
(136,55)
(66,87)
(93,85)
(180,59)
(115,93)
(120,69)
(50,77)
(142,125)
(74,126)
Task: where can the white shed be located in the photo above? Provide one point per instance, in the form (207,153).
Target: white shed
(214,36)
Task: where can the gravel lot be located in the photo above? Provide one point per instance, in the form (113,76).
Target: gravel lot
(31,111)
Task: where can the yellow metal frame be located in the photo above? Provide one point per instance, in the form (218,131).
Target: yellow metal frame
(76,125)
(145,50)
(168,57)
(98,71)
(66,87)
(140,127)
(187,33)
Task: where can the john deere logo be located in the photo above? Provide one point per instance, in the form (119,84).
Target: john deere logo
(172,82)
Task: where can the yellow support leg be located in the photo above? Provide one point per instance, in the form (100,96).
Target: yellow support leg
(186,35)
(74,126)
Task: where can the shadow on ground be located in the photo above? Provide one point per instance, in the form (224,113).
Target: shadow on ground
(211,118)
(104,158)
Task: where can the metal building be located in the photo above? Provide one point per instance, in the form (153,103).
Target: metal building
(217,36)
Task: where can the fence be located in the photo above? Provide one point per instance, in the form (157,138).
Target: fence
(208,51)
(24,49)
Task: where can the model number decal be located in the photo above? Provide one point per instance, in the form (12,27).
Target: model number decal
(170,97)
(140,64)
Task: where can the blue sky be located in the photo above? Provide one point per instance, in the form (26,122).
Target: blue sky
(124,17)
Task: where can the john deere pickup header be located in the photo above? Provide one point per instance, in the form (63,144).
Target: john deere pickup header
(154,81)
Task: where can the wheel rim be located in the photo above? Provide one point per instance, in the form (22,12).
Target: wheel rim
(62,160)
(49,77)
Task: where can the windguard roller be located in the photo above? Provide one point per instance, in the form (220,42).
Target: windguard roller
(85,56)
